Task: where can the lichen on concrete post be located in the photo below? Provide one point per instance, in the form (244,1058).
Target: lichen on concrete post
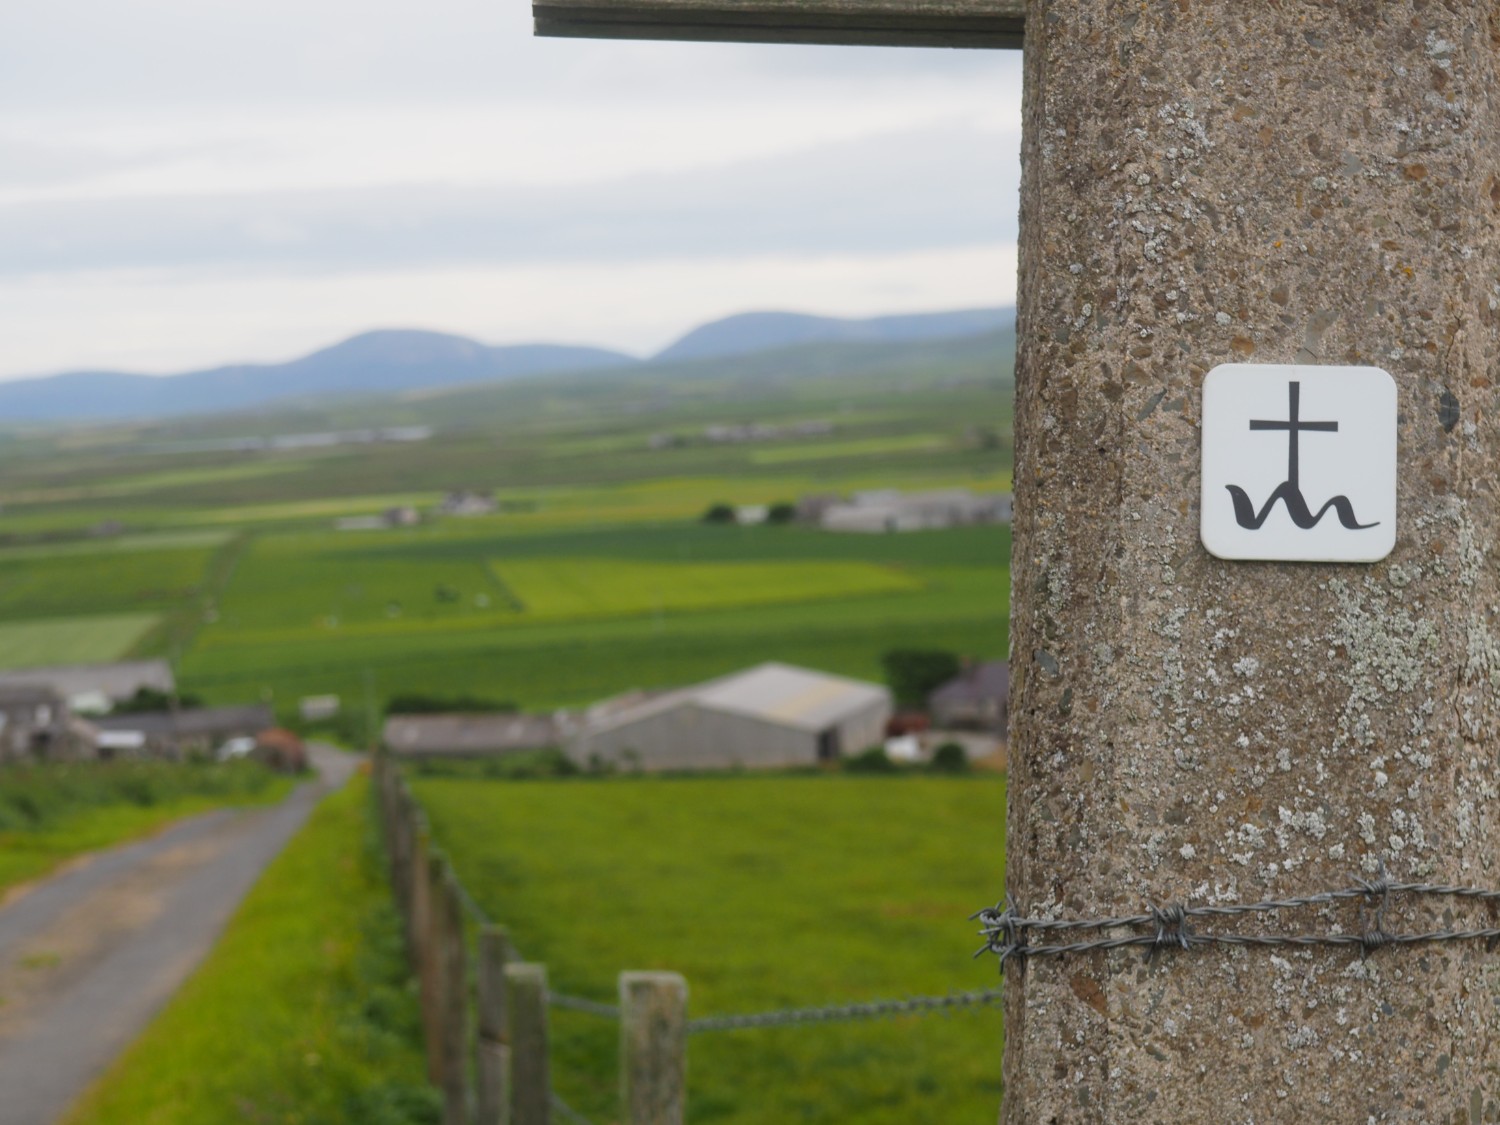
(1212,181)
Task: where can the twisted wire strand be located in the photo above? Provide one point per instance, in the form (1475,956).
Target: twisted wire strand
(1007,932)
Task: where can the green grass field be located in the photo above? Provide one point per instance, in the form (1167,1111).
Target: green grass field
(595,576)
(71,640)
(558,589)
(302,1013)
(765,892)
(72,585)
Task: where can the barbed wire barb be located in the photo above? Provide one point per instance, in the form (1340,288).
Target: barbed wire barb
(1007,932)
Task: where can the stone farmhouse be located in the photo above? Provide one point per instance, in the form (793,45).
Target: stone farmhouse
(37,724)
(180,734)
(772,715)
(468,503)
(889,510)
(978,698)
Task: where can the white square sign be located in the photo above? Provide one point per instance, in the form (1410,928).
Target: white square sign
(1299,463)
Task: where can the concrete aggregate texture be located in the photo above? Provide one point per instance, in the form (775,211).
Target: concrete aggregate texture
(1207,181)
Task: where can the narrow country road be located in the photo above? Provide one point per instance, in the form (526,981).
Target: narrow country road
(87,957)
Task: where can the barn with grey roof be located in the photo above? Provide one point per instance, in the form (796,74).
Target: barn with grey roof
(771,715)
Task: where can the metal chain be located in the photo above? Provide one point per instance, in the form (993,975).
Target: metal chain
(833,1013)
(1006,931)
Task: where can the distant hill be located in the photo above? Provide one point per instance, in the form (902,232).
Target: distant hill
(394,360)
(761,331)
(388,360)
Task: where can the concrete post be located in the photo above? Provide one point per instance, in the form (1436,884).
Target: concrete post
(653,1048)
(1214,181)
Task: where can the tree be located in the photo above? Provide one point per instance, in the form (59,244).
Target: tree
(719,513)
(781,512)
(148,699)
(913,673)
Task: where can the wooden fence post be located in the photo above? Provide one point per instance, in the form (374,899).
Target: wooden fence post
(453,1000)
(426,879)
(417,890)
(526,1017)
(431,974)
(491,1050)
(403,842)
(653,1048)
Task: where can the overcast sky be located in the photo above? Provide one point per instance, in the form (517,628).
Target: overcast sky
(185,183)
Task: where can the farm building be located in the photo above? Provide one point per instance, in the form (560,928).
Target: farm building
(281,750)
(978,698)
(95,687)
(467,503)
(890,510)
(177,734)
(36,724)
(468,735)
(772,715)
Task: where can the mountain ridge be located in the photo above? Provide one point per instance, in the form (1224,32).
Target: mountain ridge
(386,360)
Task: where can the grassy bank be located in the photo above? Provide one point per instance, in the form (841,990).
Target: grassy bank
(50,813)
(765,892)
(300,1014)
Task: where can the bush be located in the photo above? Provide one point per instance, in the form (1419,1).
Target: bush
(514,764)
(34,797)
(950,757)
(873,760)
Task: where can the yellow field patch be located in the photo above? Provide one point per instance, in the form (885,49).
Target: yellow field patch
(554,588)
(858,447)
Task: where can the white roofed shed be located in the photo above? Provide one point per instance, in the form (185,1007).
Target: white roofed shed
(771,715)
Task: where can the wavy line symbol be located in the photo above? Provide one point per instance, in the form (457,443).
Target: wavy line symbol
(1289,492)
(1296,507)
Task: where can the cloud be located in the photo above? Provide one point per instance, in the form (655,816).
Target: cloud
(183,182)
(874,195)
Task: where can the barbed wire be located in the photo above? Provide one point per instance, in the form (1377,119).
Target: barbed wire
(1007,932)
(782,1017)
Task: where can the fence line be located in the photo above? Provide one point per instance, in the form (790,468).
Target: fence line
(504,1015)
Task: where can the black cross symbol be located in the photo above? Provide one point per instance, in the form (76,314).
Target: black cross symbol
(1293,425)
